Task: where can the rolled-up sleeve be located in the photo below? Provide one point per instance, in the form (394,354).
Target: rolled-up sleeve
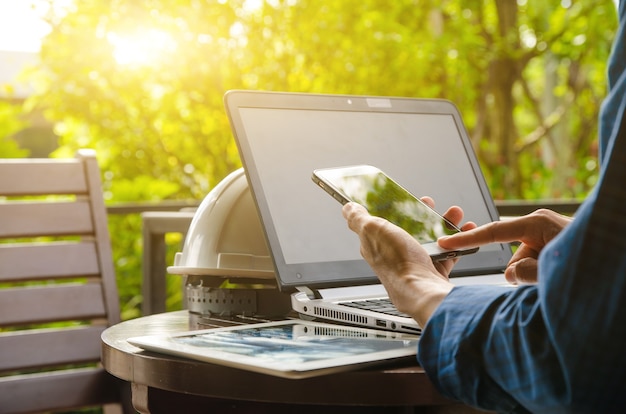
(466,347)
(558,346)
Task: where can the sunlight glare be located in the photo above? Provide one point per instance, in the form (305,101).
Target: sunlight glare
(237,30)
(252,5)
(142,48)
(21,26)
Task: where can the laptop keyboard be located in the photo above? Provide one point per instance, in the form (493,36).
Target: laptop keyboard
(383,305)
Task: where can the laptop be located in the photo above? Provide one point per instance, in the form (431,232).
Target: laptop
(422,143)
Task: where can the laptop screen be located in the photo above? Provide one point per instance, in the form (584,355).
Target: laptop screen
(421,144)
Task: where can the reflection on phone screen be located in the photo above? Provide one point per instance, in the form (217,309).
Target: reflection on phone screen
(384,198)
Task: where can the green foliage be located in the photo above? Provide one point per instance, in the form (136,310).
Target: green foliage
(528,76)
(10,123)
(127,251)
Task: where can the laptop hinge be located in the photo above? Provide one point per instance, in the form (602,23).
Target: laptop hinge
(310,293)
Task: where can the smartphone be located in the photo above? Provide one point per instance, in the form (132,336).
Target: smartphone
(383,197)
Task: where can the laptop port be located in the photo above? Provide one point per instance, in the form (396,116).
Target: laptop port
(411,328)
(381,323)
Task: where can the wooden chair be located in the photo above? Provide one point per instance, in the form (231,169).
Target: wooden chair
(57,286)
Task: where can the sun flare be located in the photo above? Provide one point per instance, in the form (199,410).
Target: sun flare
(141,48)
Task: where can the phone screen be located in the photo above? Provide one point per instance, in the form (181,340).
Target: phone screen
(385,198)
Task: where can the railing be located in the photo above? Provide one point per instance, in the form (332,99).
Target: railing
(522,207)
(505,207)
(159,219)
(142,207)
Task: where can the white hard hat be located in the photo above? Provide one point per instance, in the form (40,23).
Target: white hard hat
(225,237)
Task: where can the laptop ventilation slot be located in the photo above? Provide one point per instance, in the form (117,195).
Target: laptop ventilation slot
(337,315)
(322,331)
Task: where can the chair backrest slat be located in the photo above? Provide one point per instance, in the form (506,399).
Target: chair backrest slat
(30,305)
(46,219)
(56,391)
(23,350)
(20,177)
(38,261)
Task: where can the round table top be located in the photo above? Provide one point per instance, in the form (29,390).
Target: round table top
(397,385)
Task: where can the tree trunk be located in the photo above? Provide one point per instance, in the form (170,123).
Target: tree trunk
(504,72)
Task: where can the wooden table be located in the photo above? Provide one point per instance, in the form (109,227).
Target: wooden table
(167,384)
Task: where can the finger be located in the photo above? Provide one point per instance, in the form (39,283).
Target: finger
(354,213)
(428,201)
(497,231)
(468,226)
(351,209)
(522,272)
(454,215)
(522,252)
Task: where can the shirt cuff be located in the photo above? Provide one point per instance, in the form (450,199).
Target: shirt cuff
(451,347)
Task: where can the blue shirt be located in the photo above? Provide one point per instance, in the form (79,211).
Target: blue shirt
(558,346)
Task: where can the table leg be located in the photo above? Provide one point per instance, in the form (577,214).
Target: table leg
(140,398)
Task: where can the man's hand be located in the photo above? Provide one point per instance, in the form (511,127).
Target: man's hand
(534,231)
(415,284)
